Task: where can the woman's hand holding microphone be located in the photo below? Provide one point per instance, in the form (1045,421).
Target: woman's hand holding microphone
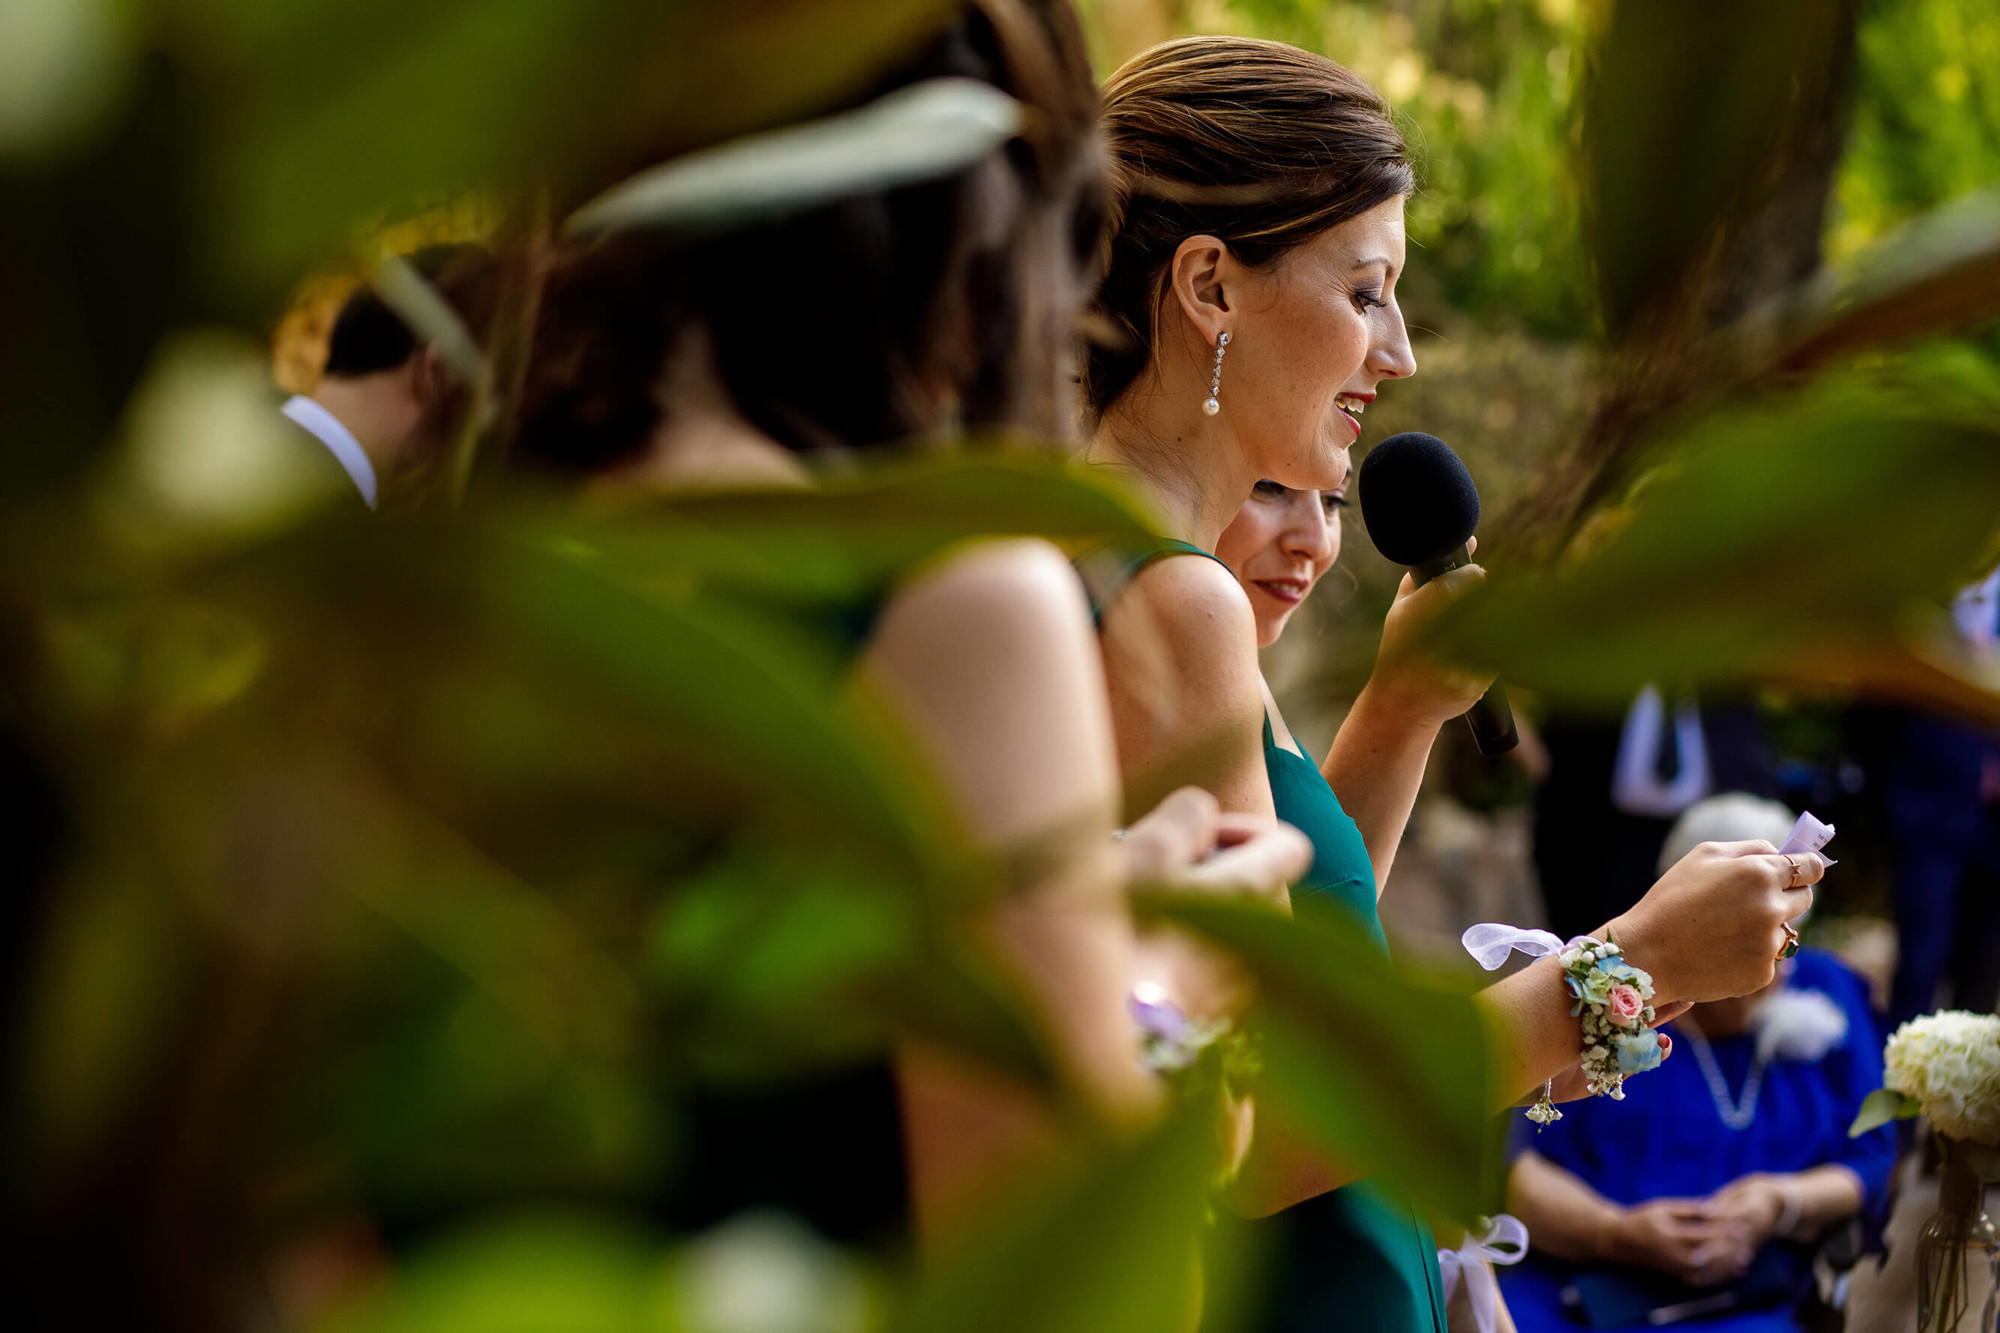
(1409,681)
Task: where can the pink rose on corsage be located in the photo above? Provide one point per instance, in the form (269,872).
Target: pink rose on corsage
(1623,1005)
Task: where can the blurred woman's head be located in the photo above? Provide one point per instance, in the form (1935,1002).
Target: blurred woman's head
(879,317)
(1257,190)
(1280,544)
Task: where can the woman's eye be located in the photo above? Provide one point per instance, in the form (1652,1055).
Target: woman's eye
(1369,300)
(1269,490)
(1333,503)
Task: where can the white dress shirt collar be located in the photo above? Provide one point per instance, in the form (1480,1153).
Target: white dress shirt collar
(325,427)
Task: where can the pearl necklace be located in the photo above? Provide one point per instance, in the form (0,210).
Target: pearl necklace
(1735,1115)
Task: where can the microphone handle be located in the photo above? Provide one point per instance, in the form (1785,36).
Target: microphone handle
(1492,718)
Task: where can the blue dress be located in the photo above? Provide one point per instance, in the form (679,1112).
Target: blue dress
(1668,1139)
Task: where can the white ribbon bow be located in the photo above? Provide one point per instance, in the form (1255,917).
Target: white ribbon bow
(1504,1240)
(1490,942)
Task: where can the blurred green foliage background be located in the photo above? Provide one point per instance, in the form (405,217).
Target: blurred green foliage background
(384,894)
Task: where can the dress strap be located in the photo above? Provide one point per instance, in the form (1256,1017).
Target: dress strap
(1175,546)
(1106,569)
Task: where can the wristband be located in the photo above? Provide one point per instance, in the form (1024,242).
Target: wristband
(1169,1040)
(1614,1001)
(1795,1204)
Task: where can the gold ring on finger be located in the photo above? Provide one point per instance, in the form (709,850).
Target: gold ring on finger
(1798,880)
(1791,945)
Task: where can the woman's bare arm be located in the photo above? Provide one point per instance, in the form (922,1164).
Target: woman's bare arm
(1565,1216)
(991,661)
(1376,762)
(1710,928)
(1187,696)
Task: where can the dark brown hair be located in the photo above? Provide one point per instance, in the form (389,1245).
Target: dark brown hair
(368,336)
(868,320)
(1257,143)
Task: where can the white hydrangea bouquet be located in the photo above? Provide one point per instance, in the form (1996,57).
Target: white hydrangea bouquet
(1946,1066)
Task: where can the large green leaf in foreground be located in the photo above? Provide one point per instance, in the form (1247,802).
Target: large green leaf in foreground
(1809,540)
(1380,1066)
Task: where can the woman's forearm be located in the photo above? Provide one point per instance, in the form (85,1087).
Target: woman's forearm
(1826,1194)
(1375,766)
(1534,1036)
(1567,1218)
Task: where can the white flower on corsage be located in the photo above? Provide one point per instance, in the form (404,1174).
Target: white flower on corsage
(1614,1000)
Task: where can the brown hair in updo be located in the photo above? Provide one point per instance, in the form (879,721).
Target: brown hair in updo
(864,321)
(1257,143)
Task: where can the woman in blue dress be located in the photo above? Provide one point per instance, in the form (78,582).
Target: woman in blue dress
(1698,1202)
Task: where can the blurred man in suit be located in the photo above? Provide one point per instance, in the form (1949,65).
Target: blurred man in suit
(387,404)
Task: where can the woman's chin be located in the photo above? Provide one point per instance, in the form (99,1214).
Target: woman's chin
(1326,465)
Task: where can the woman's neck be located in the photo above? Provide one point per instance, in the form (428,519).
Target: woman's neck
(1191,471)
(701,441)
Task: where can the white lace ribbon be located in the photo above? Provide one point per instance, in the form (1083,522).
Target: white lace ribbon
(1490,942)
(1504,1240)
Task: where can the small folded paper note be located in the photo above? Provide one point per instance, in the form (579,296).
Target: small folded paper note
(1808,835)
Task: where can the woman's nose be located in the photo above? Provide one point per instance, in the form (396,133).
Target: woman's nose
(1391,357)
(1308,534)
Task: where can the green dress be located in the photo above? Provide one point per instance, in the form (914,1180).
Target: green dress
(1351,1259)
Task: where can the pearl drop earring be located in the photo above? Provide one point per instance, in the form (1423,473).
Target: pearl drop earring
(1215,377)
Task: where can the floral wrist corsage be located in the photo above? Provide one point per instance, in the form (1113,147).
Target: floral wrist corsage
(1614,1000)
(1175,1046)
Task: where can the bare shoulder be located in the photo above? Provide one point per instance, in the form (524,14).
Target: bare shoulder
(996,589)
(990,655)
(1194,615)
(1186,692)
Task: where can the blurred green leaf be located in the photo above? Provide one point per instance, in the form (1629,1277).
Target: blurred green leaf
(535,1274)
(849,536)
(1378,1065)
(1796,541)
(1109,1249)
(1936,274)
(1686,105)
(927,129)
(322,114)
(1880,1107)
(116,971)
(64,66)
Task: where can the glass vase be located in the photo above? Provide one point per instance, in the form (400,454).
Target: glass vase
(1958,1251)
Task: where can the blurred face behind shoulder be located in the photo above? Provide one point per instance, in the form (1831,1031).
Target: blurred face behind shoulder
(1311,336)
(1280,544)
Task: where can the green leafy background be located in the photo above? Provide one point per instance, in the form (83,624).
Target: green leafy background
(411,874)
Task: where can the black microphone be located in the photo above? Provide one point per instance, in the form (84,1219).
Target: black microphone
(1421,509)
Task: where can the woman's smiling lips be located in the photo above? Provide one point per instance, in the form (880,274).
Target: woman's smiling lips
(1289,591)
(1351,406)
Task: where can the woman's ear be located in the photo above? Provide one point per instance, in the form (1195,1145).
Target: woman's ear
(430,381)
(1197,279)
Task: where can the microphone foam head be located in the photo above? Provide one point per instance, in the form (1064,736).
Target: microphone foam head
(1417,499)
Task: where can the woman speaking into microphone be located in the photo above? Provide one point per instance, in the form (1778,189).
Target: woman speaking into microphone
(1258,195)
